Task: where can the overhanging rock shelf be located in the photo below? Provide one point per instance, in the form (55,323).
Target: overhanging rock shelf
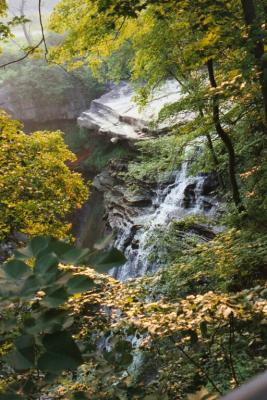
(117,115)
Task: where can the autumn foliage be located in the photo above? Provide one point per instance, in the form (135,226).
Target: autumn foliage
(37,189)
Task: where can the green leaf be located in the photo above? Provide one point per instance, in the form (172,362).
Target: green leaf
(193,336)
(156,396)
(11,396)
(74,256)
(79,396)
(24,253)
(17,361)
(204,328)
(104,261)
(34,248)
(16,269)
(62,353)
(55,296)
(59,247)
(24,342)
(79,284)
(23,357)
(63,320)
(30,287)
(7,325)
(42,245)
(51,319)
(47,264)
(39,244)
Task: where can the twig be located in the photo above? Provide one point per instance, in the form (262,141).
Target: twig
(27,54)
(200,369)
(119,29)
(231,339)
(42,27)
(32,49)
(213,337)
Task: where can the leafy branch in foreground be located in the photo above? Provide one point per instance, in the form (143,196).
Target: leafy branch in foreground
(35,327)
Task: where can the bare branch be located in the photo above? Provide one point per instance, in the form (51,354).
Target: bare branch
(33,48)
(27,54)
(42,27)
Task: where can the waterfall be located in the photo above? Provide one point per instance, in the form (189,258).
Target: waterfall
(185,196)
(135,219)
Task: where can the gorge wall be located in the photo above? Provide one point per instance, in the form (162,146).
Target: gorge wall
(27,108)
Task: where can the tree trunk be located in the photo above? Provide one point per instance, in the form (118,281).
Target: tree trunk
(225,139)
(249,11)
(24,27)
(215,161)
(213,155)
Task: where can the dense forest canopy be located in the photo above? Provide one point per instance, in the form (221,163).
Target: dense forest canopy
(195,328)
(223,76)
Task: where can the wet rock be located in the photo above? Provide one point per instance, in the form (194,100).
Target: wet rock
(210,184)
(139,199)
(189,195)
(104,181)
(204,231)
(134,217)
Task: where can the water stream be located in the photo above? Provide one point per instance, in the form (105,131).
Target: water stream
(173,202)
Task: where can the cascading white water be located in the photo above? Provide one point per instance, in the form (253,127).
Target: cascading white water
(173,202)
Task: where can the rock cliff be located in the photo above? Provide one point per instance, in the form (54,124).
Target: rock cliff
(117,115)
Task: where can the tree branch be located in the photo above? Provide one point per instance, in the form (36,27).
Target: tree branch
(231,339)
(42,27)
(27,54)
(33,48)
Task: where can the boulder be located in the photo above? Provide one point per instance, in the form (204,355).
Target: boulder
(210,184)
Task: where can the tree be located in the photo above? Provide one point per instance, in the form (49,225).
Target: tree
(255,21)
(26,32)
(37,189)
(166,43)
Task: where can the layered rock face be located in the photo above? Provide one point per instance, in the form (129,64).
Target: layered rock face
(135,218)
(117,115)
